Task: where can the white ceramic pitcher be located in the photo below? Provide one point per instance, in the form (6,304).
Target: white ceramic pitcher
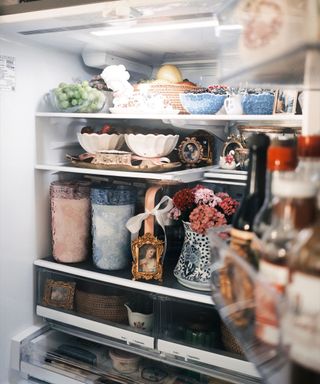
(233,105)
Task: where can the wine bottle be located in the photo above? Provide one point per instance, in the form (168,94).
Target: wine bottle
(242,227)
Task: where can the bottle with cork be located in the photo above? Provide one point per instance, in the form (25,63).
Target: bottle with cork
(282,160)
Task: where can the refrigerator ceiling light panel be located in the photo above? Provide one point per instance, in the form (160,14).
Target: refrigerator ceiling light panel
(157,28)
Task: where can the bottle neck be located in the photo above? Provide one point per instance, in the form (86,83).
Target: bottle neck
(256,173)
(255,190)
(268,184)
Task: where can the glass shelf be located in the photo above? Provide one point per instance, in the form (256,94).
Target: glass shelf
(169,287)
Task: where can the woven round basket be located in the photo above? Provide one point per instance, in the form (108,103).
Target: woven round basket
(109,308)
(169,91)
(229,341)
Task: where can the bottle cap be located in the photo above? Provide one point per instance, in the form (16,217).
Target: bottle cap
(281,158)
(292,187)
(309,146)
(258,140)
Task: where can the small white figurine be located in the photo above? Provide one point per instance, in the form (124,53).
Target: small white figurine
(116,77)
(228,161)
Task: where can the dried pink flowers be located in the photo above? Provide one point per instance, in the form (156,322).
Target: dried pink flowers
(203,208)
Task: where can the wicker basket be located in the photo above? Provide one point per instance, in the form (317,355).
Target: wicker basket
(109,308)
(229,341)
(169,91)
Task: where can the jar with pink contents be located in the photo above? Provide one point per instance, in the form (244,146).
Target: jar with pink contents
(70,220)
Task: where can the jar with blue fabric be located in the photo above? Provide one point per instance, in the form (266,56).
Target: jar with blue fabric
(112,206)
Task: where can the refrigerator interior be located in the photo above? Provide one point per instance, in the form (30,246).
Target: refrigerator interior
(50,47)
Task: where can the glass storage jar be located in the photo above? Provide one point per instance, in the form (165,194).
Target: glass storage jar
(70,220)
(112,206)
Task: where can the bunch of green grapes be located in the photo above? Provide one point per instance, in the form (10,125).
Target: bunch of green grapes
(80,97)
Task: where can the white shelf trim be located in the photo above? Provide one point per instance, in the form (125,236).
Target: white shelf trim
(158,289)
(193,354)
(194,118)
(183,176)
(214,359)
(97,327)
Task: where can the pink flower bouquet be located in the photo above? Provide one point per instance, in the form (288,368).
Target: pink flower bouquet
(203,208)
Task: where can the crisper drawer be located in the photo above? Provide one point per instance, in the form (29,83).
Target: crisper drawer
(194,332)
(119,313)
(57,357)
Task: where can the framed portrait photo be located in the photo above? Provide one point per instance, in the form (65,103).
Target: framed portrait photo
(147,253)
(233,142)
(286,101)
(190,151)
(59,294)
(206,141)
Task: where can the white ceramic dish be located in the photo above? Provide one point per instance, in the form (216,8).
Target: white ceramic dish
(151,145)
(124,362)
(94,142)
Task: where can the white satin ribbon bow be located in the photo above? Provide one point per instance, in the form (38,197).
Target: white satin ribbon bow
(161,216)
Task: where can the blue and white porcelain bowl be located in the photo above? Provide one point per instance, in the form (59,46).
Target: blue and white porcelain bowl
(258,104)
(202,103)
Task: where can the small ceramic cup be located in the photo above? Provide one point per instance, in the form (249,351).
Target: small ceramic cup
(233,105)
(139,320)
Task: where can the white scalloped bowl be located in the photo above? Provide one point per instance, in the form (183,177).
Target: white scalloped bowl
(151,145)
(94,142)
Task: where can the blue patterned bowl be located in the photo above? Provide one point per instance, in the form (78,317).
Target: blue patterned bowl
(261,104)
(202,103)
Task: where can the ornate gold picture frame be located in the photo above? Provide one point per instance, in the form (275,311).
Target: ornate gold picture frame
(59,294)
(233,142)
(190,151)
(147,253)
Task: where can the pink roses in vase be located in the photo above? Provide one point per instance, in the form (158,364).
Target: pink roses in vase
(203,208)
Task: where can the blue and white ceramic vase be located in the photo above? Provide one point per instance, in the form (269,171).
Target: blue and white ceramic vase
(193,267)
(112,206)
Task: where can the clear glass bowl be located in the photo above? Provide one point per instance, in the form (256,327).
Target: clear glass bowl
(92,105)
